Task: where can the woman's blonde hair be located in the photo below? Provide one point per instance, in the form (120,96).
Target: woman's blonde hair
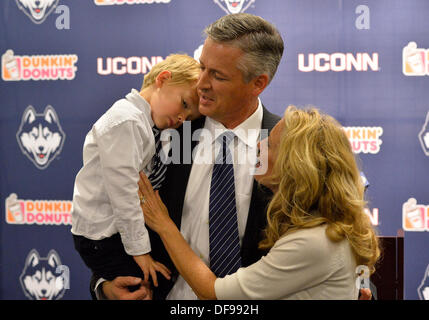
(184,69)
(318,181)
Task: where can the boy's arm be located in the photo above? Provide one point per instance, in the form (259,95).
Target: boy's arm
(122,150)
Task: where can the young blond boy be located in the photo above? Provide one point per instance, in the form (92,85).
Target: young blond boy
(107,223)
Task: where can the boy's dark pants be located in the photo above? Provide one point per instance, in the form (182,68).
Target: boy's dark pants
(107,258)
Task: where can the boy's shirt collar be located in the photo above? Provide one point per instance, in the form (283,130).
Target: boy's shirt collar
(141,103)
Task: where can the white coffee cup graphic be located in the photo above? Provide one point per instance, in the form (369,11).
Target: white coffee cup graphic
(415,62)
(414,59)
(9,62)
(14,207)
(413,217)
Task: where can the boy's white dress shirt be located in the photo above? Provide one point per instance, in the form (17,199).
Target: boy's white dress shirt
(105,201)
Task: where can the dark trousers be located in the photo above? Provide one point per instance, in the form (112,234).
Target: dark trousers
(107,257)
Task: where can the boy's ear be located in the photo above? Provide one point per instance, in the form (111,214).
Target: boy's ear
(260,83)
(162,77)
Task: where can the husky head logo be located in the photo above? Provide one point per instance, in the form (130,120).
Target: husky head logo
(37,10)
(234,6)
(423,289)
(424,136)
(40,136)
(39,279)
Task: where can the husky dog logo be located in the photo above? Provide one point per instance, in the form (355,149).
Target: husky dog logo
(40,136)
(39,278)
(423,289)
(424,136)
(37,10)
(234,6)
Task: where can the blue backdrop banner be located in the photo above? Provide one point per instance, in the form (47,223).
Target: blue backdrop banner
(64,63)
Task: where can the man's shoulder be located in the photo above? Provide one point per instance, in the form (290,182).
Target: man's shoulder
(269,119)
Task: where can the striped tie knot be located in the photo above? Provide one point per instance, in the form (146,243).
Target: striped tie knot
(227,137)
(224,154)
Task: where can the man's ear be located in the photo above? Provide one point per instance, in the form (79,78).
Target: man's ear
(260,83)
(162,77)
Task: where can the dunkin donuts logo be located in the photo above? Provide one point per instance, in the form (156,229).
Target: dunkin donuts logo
(38,67)
(39,212)
(415,217)
(364,139)
(415,61)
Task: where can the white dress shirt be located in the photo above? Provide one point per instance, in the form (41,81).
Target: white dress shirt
(105,200)
(304,265)
(195,214)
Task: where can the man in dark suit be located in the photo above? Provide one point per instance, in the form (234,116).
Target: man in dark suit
(239,59)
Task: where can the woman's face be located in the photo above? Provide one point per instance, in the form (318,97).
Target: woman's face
(268,151)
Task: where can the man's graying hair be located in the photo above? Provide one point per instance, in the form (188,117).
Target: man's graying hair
(260,41)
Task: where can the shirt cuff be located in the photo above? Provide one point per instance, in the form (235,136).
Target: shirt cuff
(99,290)
(137,247)
(134,237)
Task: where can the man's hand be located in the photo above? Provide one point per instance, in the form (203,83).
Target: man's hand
(118,289)
(365,294)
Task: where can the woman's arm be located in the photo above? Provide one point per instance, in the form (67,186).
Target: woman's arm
(195,272)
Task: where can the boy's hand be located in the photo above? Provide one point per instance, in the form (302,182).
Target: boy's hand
(150,267)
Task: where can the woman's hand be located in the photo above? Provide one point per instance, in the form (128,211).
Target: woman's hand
(190,266)
(155,212)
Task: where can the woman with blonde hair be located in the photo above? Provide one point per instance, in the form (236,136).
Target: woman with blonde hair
(317,232)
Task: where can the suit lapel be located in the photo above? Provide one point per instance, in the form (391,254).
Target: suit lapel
(177,176)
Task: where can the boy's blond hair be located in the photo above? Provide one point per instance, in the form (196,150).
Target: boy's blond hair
(184,69)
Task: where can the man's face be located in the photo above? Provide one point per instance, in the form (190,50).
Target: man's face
(224,96)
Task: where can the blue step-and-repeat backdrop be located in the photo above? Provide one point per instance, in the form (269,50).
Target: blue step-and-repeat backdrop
(64,62)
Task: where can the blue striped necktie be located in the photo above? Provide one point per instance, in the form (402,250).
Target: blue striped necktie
(223,226)
(158,167)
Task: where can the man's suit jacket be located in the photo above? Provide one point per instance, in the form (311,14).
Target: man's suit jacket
(173,194)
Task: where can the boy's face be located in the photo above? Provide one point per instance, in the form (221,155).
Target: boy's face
(173,104)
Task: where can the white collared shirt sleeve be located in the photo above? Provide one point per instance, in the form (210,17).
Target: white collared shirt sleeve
(99,294)
(122,151)
(302,265)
